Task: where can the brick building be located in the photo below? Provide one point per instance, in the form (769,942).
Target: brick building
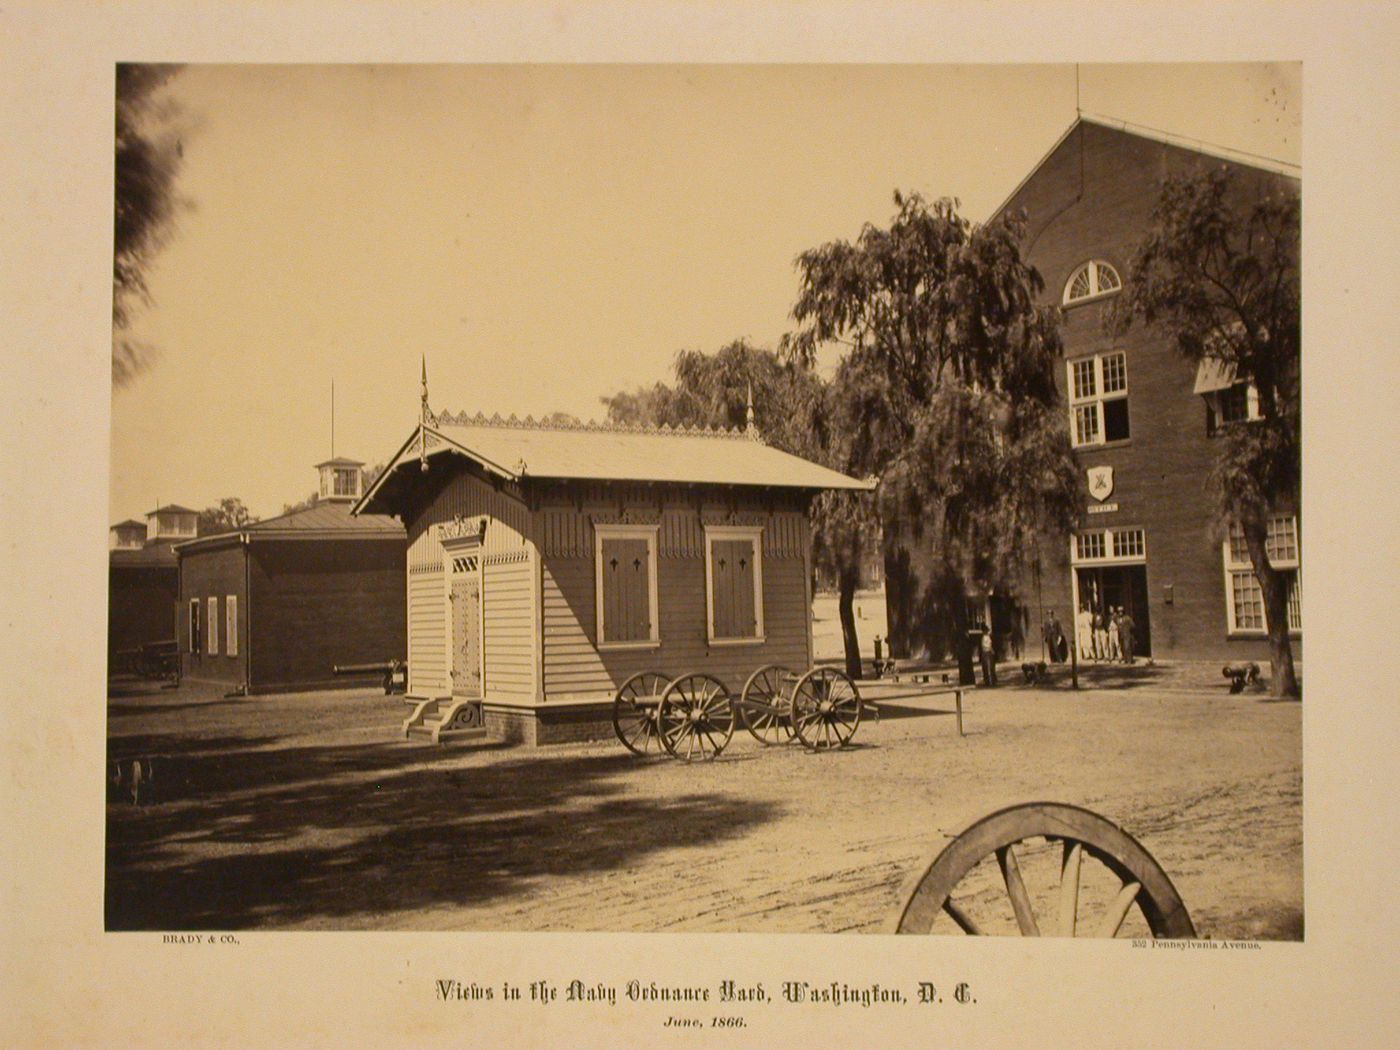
(276,605)
(141,581)
(1141,418)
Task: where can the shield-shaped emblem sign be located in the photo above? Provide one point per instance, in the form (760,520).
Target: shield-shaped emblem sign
(1100,482)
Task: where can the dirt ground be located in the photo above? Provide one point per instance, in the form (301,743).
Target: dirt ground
(308,811)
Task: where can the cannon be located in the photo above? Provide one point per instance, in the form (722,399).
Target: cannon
(1241,675)
(394,672)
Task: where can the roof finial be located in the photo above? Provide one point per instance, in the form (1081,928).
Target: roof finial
(424,416)
(749,428)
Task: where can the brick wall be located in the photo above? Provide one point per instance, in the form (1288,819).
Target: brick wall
(215,573)
(318,603)
(1093,199)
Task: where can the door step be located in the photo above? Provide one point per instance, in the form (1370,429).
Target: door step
(443,720)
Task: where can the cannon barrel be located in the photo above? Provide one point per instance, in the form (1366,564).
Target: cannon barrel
(383,667)
(394,672)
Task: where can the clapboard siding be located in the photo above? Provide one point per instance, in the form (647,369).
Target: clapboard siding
(507,590)
(573,665)
(508,603)
(427,658)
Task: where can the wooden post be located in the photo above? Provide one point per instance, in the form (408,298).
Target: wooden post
(957,700)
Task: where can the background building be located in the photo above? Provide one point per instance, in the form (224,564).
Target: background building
(1140,416)
(141,581)
(276,605)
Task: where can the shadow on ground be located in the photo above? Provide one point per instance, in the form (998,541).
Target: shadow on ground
(344,836)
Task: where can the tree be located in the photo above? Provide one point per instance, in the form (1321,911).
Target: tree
(794,411)
(1219,272)
(225,516)
(949,369)
(148,158)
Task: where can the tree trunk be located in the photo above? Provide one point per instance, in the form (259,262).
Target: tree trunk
(1273,585)
(849,578)
(957,605)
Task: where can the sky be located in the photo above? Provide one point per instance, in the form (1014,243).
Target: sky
(547,235)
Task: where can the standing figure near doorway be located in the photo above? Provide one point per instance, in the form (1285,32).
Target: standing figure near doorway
(1125,632)
(1084,632)
(1100,637)
(1115,652)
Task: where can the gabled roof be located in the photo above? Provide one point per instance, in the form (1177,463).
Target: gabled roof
(340,461)
(172,508)
(1250,160)
(515,450)
(130,523)
(325,520)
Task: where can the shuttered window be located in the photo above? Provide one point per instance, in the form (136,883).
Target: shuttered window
(231,625)
(194,625)
(734,584)
(626,585)
(213,621)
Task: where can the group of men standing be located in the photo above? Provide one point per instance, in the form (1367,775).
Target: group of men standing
(1101,637)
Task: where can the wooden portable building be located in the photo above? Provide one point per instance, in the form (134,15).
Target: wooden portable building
(548,563)
(276,605)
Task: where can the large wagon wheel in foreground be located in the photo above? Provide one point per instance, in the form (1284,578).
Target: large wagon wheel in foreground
(1122,874)
(825,709)
(635,707)
(696,718)
(764,707)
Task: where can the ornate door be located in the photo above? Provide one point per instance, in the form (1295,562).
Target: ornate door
(466,626)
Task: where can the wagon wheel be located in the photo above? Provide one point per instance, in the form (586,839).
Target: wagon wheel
(696,718)
(1115,856)
(765,686)
(635,707)
(826,709)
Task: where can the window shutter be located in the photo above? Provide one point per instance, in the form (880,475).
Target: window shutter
(626,591)
(732,581)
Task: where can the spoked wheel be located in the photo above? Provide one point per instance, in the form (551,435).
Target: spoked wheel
(635,708)
(696,718)
(825,709)
(1059,871)
(765,687)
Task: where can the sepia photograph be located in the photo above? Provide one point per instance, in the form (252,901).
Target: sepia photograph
(545,499)
(697,525)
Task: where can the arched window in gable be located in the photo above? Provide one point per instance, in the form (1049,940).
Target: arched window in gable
(1093,279)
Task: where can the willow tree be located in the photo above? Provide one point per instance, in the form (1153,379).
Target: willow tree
(1218,272)
(794,410)
(148,158)
(950,373)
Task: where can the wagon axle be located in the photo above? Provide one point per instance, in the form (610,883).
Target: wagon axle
(693,716)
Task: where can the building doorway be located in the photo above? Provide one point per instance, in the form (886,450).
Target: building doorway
(465,598)
(1105,589)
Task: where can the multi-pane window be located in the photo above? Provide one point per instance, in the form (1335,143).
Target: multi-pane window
(734,584)
(1110,545)
(213,622)
(1244,597)
(347,481)
(231,625)
(625,567)
(1098,394)
(1091,280)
